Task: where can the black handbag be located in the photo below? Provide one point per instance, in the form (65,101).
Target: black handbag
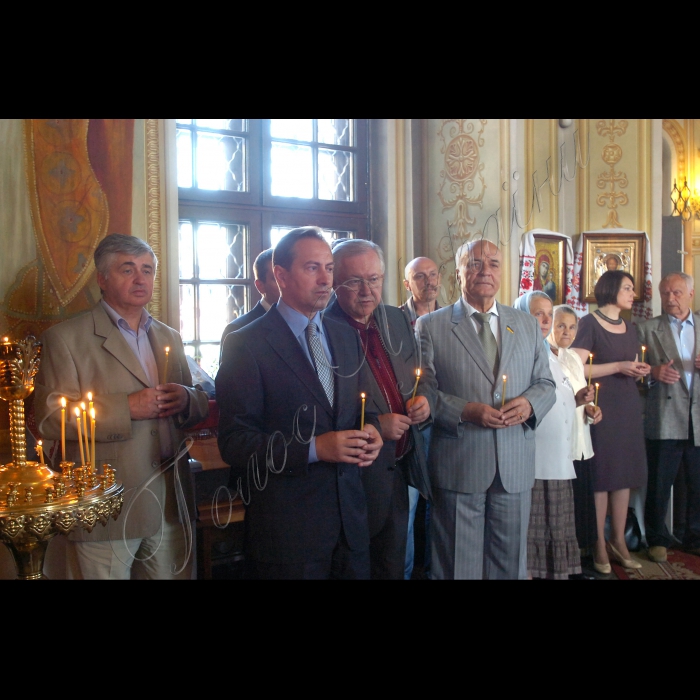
(633,533)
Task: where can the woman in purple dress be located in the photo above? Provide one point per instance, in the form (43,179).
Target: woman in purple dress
(619,462)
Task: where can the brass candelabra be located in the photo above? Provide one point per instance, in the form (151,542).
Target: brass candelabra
(37,503)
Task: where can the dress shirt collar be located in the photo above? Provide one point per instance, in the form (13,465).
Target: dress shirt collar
(688,319)
(471,310)
(265,304)
(298,321)
(122,323)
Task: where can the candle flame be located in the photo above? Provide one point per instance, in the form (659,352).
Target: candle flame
(362,395)
(167,349)
(597,385)
(5,340)
(77,412)
(82,405)
(590,355)
(89,396)
(63,401)
(504,377)
(417,373)
(644,348)
(92,413)
(40,443)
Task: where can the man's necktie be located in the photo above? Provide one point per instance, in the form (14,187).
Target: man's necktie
(488,341)
(322,365)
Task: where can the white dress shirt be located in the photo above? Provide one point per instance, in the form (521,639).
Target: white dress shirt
(684,335)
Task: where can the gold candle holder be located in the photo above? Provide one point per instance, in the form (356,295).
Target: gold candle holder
(37,503)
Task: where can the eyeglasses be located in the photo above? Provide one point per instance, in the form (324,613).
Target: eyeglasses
(356,284)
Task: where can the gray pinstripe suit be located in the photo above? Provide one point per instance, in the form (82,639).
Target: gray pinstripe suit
(481,519)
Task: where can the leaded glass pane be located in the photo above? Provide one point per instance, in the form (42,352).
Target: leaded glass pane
(187,312)
(221,251)
(235,304)
(220,162)
(228,124)
(186,249)
(335,131)
(335,175)
(209,359)
(292,129)
(184,158)
(213,308)
(292,171)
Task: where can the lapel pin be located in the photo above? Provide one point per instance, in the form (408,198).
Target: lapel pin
(508,328)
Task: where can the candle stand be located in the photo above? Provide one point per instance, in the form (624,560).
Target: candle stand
(37,503)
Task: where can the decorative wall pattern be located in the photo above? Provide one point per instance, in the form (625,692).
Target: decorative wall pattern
(461,188)
(611,155)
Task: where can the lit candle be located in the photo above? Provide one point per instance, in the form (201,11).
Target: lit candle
(90,403)
(40,451)
(644,350)
(92,436)
(415,386)
(63,429)
(503,391)
(80,436)
(590,367)
(362,415)
(597,386)
(85,432)
(165,370)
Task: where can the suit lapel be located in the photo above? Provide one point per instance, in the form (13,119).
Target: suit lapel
(466,334)
(116,345)
(507,338)
(664,337)
(282,341)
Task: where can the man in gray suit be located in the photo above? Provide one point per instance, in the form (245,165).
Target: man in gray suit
(482,454)
(672,415)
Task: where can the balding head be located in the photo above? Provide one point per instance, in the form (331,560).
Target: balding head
(422,279)
(479,272)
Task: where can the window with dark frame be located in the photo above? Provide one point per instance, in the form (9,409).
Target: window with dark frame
(243,184)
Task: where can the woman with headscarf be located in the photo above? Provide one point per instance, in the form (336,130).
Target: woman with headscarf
(552,549)
(564,327)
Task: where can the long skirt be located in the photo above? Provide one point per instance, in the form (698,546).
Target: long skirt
(552,548)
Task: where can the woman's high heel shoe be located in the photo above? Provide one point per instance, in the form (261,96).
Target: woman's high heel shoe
(602,568)
(625,563)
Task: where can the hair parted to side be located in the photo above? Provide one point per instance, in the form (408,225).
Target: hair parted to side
(116,243)
(689,281)
(608,286)
(283,253)
(261,263)
(355,246)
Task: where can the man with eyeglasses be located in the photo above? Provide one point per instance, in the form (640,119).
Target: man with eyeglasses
(392,355)
(422,278)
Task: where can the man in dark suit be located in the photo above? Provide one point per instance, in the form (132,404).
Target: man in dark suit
(672,414)
(266,284)
(392,356)
(288,391)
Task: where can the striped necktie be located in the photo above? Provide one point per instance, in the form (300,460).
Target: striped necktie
(321,363)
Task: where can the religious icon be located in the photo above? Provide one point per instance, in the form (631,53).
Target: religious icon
(550,267)
(605,253)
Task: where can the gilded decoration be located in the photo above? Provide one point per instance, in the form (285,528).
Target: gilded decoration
(153,210)
(462,186)
(674,132)
(611,155)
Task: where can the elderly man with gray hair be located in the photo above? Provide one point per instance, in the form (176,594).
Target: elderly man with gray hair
(136,369)
(391,352)
(672,414)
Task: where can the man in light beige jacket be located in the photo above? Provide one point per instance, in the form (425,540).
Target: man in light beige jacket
(117,352)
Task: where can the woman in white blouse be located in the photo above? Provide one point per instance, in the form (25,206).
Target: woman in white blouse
(552,549)
(564,328)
